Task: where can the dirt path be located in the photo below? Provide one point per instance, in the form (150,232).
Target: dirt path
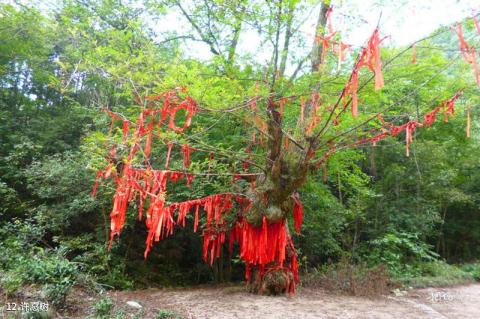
(233,302)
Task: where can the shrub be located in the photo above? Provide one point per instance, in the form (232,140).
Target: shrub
(11,282)
(351,279)
(103,308)
(436,274)
(56,273)
(400,252)
(23,263)
(473,269)
(166,314)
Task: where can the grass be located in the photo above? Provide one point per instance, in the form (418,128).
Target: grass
(354,279)
(473,269)
(438,274)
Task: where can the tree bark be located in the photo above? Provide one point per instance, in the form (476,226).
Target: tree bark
(236,35)
(288,35)
(285,173)
(319,31)
(276,45)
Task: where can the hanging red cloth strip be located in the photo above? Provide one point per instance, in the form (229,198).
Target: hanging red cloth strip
(477,26)
(189,179)
(148,142)
(190,108)
(120,202)
(447,106)
(281,103)
(450,103)
(294,264)
(354,88)
(374,62)
(429,118)
(414,54)
(252,182)
(409,129)
(297,212)
(195,223)
(263,245)
(302,109)
(328,17)
(126,125)
(469,53)
(169,152)
(339,49)
(186,156)
(316,118)
(369,57)
(325,45)
(374,139)
(325,173)
(97,180)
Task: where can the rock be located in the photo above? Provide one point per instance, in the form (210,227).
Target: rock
(399,293)
(134,304)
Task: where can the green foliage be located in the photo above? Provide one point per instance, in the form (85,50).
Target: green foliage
(473,269)
(104,308)
(400,252)
(374,206)
(436,274)
(11,282)
(166,314)
(50,269)
(37,315)
(61,184)
(25,263)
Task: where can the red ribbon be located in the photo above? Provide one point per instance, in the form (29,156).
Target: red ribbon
(169,152)
(126,125)
(477,26)
(414,54)
(297,212)
(302,108)
(186,156)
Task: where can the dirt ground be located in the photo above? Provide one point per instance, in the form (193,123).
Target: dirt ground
(233,302)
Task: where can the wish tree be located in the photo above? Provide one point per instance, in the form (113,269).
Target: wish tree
(253,212)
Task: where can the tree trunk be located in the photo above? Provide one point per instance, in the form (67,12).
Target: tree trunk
(272,199)
(288,35)
(236,35)
(319,31)
(286,172)
(274,281)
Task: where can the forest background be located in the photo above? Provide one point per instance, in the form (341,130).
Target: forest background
(62,62)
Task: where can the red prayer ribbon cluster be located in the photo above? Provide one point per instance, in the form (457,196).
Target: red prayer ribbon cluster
(469,53)
(338,47)
(370,58)
(268,247)
(297,212)
(389,129)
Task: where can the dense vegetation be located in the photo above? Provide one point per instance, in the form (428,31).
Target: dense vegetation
(374,206)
